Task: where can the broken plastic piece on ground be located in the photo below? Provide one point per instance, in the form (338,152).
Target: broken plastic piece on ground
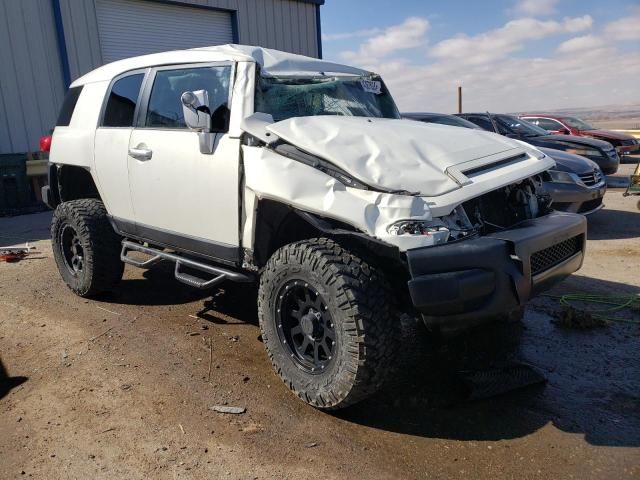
(499,380)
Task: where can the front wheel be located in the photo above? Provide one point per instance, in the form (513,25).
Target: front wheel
(327,322)
(85,247)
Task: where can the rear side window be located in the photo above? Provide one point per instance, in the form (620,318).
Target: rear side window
(122,101)
(68,105)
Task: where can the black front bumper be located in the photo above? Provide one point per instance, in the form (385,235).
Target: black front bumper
(458,285)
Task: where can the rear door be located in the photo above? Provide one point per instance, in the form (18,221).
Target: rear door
(112,143)
(181,197)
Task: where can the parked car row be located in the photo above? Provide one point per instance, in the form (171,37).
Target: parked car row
(576,184)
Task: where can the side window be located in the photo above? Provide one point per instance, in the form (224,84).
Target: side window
(549,124)
(165,107)
(122,101)
(68,105)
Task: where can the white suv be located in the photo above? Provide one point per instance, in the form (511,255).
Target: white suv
(246,164)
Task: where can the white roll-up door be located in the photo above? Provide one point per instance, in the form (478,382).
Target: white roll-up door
(136,27)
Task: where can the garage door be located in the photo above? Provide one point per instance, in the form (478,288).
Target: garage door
(136,27)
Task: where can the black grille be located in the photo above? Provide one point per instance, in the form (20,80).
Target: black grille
(590,205)
(592,178)
(552,256)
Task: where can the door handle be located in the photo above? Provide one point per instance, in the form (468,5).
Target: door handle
(141,152)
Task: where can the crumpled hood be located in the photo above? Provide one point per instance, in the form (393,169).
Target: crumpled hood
(393,154)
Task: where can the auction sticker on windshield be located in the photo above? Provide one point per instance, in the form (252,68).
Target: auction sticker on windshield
(371,86)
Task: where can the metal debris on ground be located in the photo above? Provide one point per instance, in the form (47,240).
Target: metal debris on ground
(225,409)
(15,253)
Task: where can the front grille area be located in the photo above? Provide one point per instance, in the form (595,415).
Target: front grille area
(555,254)
(591,178)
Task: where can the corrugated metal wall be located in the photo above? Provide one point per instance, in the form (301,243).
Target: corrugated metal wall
(281,24)
(31,84)
(31,77)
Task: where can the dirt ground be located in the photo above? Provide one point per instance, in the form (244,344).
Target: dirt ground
(122,387)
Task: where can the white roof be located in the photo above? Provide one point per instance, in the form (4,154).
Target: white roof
(272,62)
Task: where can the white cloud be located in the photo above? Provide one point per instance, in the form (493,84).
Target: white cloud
(535,8)
(625,29)
(409,34)
(580,44)
(500,42)
(329,37)
(583,71)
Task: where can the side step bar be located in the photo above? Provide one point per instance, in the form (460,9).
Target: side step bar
(219,274)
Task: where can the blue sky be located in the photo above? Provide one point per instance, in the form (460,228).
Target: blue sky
(508,55)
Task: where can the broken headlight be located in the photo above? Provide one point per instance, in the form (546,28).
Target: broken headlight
(438,232)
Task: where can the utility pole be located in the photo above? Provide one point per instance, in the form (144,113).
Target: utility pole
(459,99)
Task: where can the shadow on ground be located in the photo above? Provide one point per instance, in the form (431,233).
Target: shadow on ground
(593,385)
(593,375)
(234,303)
(614,224)
(25,228)
(7,383)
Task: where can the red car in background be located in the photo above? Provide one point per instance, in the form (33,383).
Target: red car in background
(565,125)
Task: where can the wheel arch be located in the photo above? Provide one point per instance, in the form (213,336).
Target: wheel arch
(70,182)
(278,224)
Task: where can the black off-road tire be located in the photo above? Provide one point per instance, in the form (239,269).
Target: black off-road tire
(361,307)
(100,245)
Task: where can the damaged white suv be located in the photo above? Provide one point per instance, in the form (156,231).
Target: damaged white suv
(245,164)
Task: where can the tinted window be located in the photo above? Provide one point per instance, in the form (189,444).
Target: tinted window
(122,101)
(165,107)
(482,123)
(68,105)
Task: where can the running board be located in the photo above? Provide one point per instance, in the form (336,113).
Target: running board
(219,274)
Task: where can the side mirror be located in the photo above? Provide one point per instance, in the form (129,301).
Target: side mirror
(195,108)
(197,116)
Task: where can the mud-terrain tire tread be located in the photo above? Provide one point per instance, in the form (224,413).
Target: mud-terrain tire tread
(366,304)
(101,244)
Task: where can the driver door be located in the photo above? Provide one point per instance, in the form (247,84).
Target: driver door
(183,198)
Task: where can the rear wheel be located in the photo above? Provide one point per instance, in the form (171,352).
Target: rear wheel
(85,247)
(327,322)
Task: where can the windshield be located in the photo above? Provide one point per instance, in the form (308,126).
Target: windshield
(574,122)
(519,126)
(286,97)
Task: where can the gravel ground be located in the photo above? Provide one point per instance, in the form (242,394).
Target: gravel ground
(122,387)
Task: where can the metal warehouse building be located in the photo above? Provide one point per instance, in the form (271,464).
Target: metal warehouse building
(46,44)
